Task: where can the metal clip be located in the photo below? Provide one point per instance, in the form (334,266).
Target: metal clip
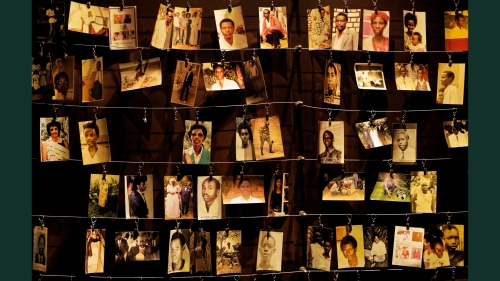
(230,7)
(319,222)
(122,5)
(349,226)
(375,6)
(177,224)
(335,272)
(88,5)
(201,227)
(140,167)
(329,110)
(302,214)
(343,170)
(456,5)
(277,171)
(423,166)
(359,275)
(450,62)
(272,5)
(454,111)
(390,168)
(242,172)
(411,59)
(55,112)
(41,49)
(140,54)
(244,113)
(346,9)
(372,118)
(92,223)
(95,113)
(210,166)
(178,166)
(298,49)
(407,221)
(319,6)
(267,111)
(196,111)
(403,112)
(369,57)
(223,54)
(449,220)
(227,227)
(187,6)
(42,223)
(104,170)
(93,51)
(187,59)
(175,114)
(374,217)
(413,7)
(145,119)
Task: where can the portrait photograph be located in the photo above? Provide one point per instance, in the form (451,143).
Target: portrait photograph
(178,197)
(456,133)
(369,77)
(200,249)
(123,28)
(137,246)
(49,18)
(140,74)
(197,142)
(376,30)
(453,238)
(253,78)
(331,142)
(139,196)
(103,195)
(319,31)
(94,141)
(404,245)
(231,29)
(62,73)
(41,77)
(39,262)
(423,190)
(273,27)
(350,246)
(411,77)
(456,30)
(185,83)
(278,203)
(244,140)
(414,31)
(319,247)
(332,83)
(179,258)
(268,132)
(93,20)
(209,198)
(54,139)
(374,134)
(376,252)
(450,85)
(395,188)
(164,28)
(228,252)
(350,187)
(346,28)
(269,251)
(187,28)
(219,76)
(243,190)
(404,144)
(94,253)
(92,79)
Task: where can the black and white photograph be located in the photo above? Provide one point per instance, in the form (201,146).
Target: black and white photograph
(376,242)
(411,77)
(93,20)
(244,140)
(278,200)
(123,28)
(331,142)
(54,139)
(187,28)
(179,256)
(186,79)
(92,79)
(200,250)
(374,133)
(178,195)
(137,246)
(415,39)
(319,28)
(40,248)
(273,27)
(456,133)
(319,247)
(345,187)
(350,246)
(332,83)
(94,253)
(41,77)
(450,85)
(140,74)
(231,29)
(228,252)
(139,196)
(62,73)
(103,195)
(49,21)
(209,198)
(255,87)
(94,141)
(164,28)
(423,188)
(246,189)
(404,146)
(369,76)
(197,142)
(220,76)
(269,251)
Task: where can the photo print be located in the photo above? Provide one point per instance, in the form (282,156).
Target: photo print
(395,188)
(40,248)
(246,189)
(456,133)
(450,87)
(346,28)
(456,30)
(253,78)
(319,28)
(411,77)
(348,187)
(453,238)
(179,258)
(376,252)
(137,246)
(140,74)
(319,247)
(374,133)
(414,31)
(178,196)
(123,28)
(404,144)
(408,244)
(197,142)
(269,133)
(244,141)
(94,253)
(228,252)
(93,20)
(269,251)
(350,248)
(41,77)
(139,196)
(277,200)
(187,28)
(209,198)
(376,30)
(54,139)
(331,142)
(103,195)
(94,141)
(231,29)
(423,188)
(186,79)
(219,76)
(62,73)
(199,245)
(273,27)
(49,19)
(164,28)
(369,76)
(92,79)
(332,83)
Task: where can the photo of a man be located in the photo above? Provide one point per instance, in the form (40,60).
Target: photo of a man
(209,198)
(332,83)
(255,86)
(244,140)
(456,30)
(185,83)
(40,255)
(453,237)
(139,196)
(144,250)
(94,142)
(456,133)
(223,76)
(245,189)
(231,29)
(345,38)
(423,192)
(269,251)
(403,82)
(451,79)
(350,246)
(319,28)
(62,72)
(164,27)
(40,238)
(319,247)
(228,252)
(394,188)
(404,146)
(200,248)
(272,32)
(330,133)
(268,132)
(92,79)
(196,149)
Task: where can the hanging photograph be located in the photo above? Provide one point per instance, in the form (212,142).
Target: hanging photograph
(244,141)
(187,28)
(49,18)
(395,188)
(404,146)
(92,79)
(209,198)
(350,248)
(454,243)
(411,77)
(269,133)
(376,252)
(62,73)
(346,28)
(178,195)
(186,79)
(219,76)
(94,141)
(243,190)
(319,28)
(140,74)
(139,196)
(197,142)
(406,242)
(456,30)
(164,28)
(231,29)
(278,203)
(54,139)
(253,77)
(103,195)
(369,76)
(123,28)
(376,31)
(456,133)
(41,77)
(179,258)
(273,27)
(319,247)
(137,246)
(423,188)
(199,245)
(348,187)
(332,83)
(94,253)
(228,252)
(414,31)
(122,246)
(450,87)
(93,20)
(40,248)
(269,252)
(374,134)
(331,142)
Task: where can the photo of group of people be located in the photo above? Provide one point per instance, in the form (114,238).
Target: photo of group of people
(411,77)
(444,246)
(255,87)
(228,252)
(103,195)
(92,79)
(348,187)
(41,77)
(240,189)
(456,133)
(374,133)
(350,246)
(231,29)
(395,187)
(187,28)
(270,250)
(319,247)
(123,28)
(94,141)
(164,28)
(186,79)
(456,30)
(139,196)
(415,34)
(273,27)
(140,74)
(219,76)
(39,261)
(423,188)
(94,253)
(49,19)
(137,246)
(376,252)
(62,73)
(404,146)
(369,76)
(200,252)
(197,142)
(89,19)
(450,86)
(408,244)
(178,197)
(54,139)
(277,199)
(269,132)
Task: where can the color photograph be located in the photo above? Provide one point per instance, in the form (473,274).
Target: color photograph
(369,76)
(331,142)
(197,142)
(456,133)
(244,140)
(94,254)
(139,196)
(411,77)
(179,258)
(278,202)
(228,252)
(350,246)
(164,28)
(456,30)
(346,28)
(200,252)
(376,251)
(140,74)
(332,83)
(269,133)
(103,195)
(209,198)
(94,141)
(219,76)
(93,20)
(404,145)
(62,73)
(137,246)
(178,197)
(376,30)
(453,236)
(374,133)
(186,80)
(273,27)
(187,28)
(395,188)
(231,29)
(243,190)
(350,187)
(319,28)
(269,251)
(319,247)
(404,244)
(123,28)
(450,85)
(415,39)
(54,139)
(253,78)
(423,188)
(92,79)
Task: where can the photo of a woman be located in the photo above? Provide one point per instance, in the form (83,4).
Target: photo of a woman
(172,202)
(376,33)
(276,196)
(55,146)
(415,35)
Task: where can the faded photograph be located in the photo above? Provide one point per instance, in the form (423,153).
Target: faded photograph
(411,77)
(93,20)
(231,28)
(123,28)
(179,258)
(103,195)
(269,133)
(219,76)
(92,79)
(332,83)
(40,238)
(209,198)
(374,133)
(331,142)
(140,74)
(187,28)
(94,254)
(319,247)
(178,197)
(54,139)
(376,30)
(319,28)
(404,146)
(197,142)
(228,252)
(200,250)
(94,141)
(369,76)
(423,188)
(255,87)
(139,196)
(244,189)
(269,251)
(348,187)
(456,133)
(49,18)
(376,252)
(350,246)
(62,73)
(186,80)
(278,203)
(41,77)
(273,27)
(164,28)
(415,39)
(450,86)
(456,30)
(346,28)
(394,188)
(244,140)
(137,246)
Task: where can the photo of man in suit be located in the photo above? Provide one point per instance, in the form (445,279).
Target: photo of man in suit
(121,247)
(344,39)
(40,256)
(186,193)
(137,200)
(403,148)
(186,85)
(141,252)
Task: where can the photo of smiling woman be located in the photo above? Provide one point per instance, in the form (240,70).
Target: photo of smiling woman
(197,139)
(376,31)
(94,141)
(54,139)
